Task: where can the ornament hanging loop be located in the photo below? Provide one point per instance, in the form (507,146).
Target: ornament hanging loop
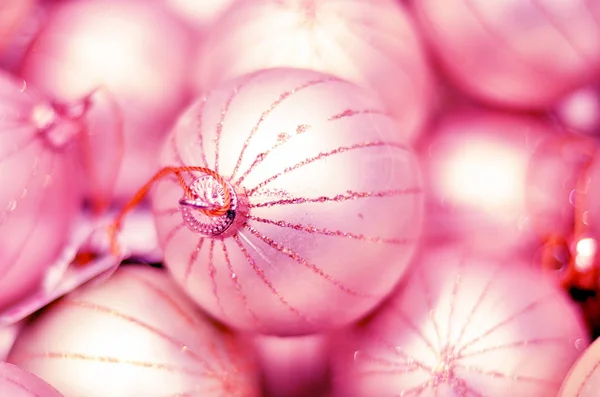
(189,200)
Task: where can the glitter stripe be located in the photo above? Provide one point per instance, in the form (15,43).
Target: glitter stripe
(212,273)
(112,360)
(192,260)
(261,274)
(261,156)
(282,97)
(301,261)
(179,345)
(351,113)
(238,288)
(339,198)
(324,155)
(323,231)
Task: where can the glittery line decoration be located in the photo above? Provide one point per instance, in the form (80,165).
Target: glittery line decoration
(300,260)
(272,107)
(450,347)
(324,155)
(261,274)
(327,232)
(350,195)
(213,364)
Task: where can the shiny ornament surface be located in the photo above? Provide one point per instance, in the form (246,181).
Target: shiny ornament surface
(39,199)
(511,52)
(16,382)
(328,202)
(134,50)
(463,325)
(133,335)
(370,43)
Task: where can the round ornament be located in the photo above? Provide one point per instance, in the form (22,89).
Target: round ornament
(16,382)
(518,53)
(476,165)
(457,327)
(38,198)
(305,212)
(371,43)
(135,334)
(133,49)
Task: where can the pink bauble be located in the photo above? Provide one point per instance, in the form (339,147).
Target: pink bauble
(16,382)
(584,378)
(38,198)
(326,200)
(12,14)
(370,43)
(132,48)
(514,52)
(133,335)
(294,366)
(476,166)
(463,325)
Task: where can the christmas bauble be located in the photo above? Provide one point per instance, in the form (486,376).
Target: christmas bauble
(512,52)
(131,48)
(476,165)
(324,198)
(16,382)
(38,198)
(371,43)
(458,327)
(133,335)
(584,378)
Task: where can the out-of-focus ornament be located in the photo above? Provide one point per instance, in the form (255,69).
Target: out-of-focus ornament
(456,327)
(40,199)
(476,165)
(16,382)
(512,52)
(294,366)
(12,14)
(133,49)
(135,334)
(580,111)
(370,43)
(293,181)
(559,203)
(584,378)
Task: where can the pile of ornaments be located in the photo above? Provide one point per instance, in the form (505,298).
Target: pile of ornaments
(294,198)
